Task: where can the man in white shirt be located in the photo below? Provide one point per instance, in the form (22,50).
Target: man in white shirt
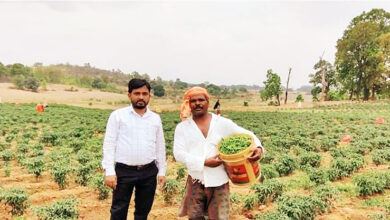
(195,141)
(134,153)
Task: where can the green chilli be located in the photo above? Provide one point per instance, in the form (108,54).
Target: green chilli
(235,144)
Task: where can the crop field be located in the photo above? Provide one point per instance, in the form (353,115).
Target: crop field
(320,163)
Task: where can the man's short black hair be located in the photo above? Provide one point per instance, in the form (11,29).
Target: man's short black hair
(138,83)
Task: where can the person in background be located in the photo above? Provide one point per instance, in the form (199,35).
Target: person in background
(195,141)
(217,107)
(40,108)
(134,153)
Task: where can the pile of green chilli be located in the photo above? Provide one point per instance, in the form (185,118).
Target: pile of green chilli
(235,144)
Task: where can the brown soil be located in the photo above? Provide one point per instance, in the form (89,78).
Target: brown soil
(44,191)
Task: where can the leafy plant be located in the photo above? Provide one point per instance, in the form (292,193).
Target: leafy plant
(16,198)
(98,183)
(286,165)
(60,171)
(371,183)
(181,172)
(269,171)
(63,209)
(36,165)
(170,189)
(301,207)
(269,190)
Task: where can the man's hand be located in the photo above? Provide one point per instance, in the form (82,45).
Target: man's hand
(161,182)
(111,181)
(257,153)
(213,161)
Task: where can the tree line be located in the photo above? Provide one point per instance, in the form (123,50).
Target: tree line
(38,75)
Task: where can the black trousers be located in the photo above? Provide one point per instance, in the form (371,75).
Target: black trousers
(144,181)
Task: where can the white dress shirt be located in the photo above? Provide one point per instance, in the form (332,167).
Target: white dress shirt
(192,148)
(133,140)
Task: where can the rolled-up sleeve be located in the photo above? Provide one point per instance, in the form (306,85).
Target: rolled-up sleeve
(160,150)
(181,154)
(109,145)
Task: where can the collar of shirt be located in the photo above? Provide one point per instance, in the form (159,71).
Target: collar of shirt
(145,115)
(211,126)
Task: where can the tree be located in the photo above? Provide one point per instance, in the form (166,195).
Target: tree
(18,80)
(242,89)
(179,84)
(32,83)
(44,85)
(360,60)
(272,86)
(288,80)
(159,90)
(314,92)
(19,69)
(213,89)
(299,98)
(3,70)
(98,83)
(330,76)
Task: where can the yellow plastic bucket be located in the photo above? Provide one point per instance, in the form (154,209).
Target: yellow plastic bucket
(241,171)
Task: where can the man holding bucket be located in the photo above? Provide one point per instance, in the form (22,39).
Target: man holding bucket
(195,141)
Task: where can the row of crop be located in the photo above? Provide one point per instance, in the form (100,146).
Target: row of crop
(289,206)
(18,200)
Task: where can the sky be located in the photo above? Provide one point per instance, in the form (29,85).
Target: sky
(220,42)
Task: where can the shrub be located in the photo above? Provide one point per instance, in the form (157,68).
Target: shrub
(83,173)
(269,171)
(181,172)
(286,165)
(380,156)
(267,191)
(250,201)
(272,216)
(171,187)
(98,183)
(310,158)
(318,175)
(49,138)
(159,90)
(7,169)
(36,165)
(345,166)
(7,155)
(299,98)
(83,156)
(32,83)
(370,183)
(301,207)
(60,171)
(19,81)
(326,193)
(16,198)
(63,209)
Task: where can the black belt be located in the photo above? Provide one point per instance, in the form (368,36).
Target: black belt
(138,167)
